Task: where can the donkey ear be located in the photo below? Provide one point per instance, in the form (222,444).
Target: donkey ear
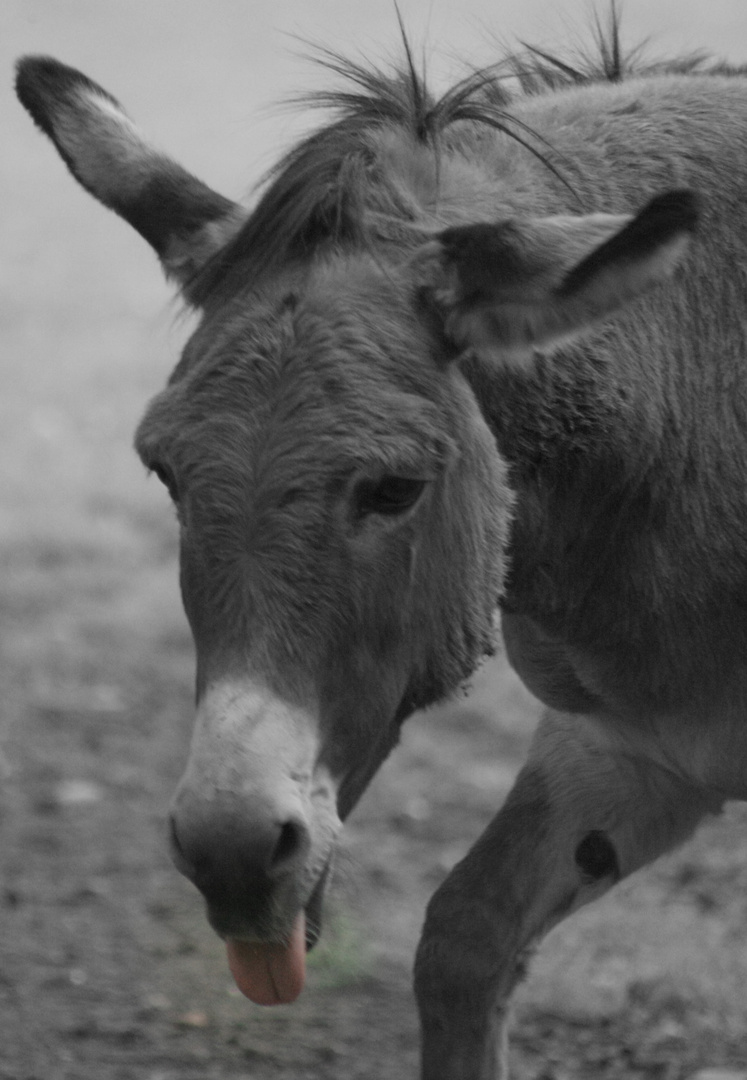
(183,219)
(521,285)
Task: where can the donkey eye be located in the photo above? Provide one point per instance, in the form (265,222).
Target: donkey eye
(391,495)
(166,477)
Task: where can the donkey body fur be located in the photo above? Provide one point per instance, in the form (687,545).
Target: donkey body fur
(460,352)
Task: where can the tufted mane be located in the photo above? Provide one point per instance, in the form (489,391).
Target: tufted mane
(316,195)
(317,192)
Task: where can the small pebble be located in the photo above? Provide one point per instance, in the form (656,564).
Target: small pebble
(194,1019)
(78,792)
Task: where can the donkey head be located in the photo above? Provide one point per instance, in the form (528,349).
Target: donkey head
(344,509)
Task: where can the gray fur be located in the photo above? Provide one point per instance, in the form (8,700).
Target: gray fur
(547,371)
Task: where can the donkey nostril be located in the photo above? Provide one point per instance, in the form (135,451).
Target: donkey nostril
(288,843)
(225,853)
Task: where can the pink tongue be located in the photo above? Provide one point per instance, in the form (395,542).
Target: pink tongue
(270,974)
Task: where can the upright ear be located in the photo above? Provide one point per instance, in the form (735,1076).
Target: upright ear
(185,221)
(526,284)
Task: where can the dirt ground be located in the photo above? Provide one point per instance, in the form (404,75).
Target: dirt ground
(108,970)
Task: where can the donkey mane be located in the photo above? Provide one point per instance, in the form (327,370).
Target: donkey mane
(317,193)
(332,189)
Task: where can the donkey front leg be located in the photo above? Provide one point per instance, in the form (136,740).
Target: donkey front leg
(582,814)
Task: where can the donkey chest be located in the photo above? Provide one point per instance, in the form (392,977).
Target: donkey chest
(642,664)
(700,734)
(626,603)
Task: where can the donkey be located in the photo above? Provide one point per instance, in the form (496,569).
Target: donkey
(462,353)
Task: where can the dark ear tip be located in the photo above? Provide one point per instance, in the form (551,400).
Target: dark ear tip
(35,84)
(43,83)
(679,208)
(36,75)
(27,67)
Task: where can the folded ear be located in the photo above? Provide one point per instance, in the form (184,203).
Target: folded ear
(183,219)
(526,284)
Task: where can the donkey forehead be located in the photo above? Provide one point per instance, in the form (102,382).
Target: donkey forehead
(351,369)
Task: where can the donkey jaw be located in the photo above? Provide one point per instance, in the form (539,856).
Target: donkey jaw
(254,820)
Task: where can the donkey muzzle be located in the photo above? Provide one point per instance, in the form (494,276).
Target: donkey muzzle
(254,820)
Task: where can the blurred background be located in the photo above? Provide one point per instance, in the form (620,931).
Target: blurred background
(107,967)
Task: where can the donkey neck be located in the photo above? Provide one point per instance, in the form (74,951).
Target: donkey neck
(585,445)
(617,507)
